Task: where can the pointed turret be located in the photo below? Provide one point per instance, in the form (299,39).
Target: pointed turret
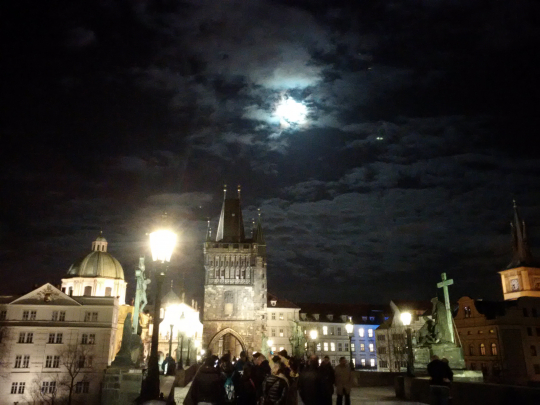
(258,237)
(208,232)
(521,251)
(231,223)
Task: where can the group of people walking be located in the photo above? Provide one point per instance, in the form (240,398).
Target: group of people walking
(274,381)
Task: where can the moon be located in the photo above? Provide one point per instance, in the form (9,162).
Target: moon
(290,111)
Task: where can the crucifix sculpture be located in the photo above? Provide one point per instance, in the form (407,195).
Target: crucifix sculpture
(444,285)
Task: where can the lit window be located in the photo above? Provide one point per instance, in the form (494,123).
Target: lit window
(494,349)
(371,348)
(325,330)
(281,316)
(333,346)
(325,346)
(353,349)
(281,348)
(363,362)
(332,330)
(273,349)
(361,332)
(370,332)
(281,333)
(318,347)
(482,349)
(362,347)
(372,362)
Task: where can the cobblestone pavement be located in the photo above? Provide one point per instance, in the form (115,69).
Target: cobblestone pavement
(359,396)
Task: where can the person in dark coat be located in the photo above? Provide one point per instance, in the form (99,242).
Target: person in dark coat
(309,383)
(261,369)
(441,376)
(328,377)
(275,386)
(208,385)
(247,394)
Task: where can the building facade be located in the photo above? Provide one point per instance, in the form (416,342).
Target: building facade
(283,326)
(52,344)
(235,287)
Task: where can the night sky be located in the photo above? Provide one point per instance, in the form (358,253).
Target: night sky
(421,127)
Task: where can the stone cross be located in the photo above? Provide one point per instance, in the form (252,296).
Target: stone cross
(444,285)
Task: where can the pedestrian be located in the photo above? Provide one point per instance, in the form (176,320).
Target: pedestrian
(309,383)
(292,394)
(275,386)
(261,369)
(242,361)
(208,385)
(441,376)
(328,378)
(344,381)
(247,393)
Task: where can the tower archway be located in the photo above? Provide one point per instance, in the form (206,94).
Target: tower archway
(227,340)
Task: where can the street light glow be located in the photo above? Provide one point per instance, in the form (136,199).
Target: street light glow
(162,244)
(406,318)
(313,334)
(349,327)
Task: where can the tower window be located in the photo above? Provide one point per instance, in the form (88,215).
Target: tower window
(88,290)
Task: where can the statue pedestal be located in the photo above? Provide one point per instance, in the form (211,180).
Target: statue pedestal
(422,355)
(121,386)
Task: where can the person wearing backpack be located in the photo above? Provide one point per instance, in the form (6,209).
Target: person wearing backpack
(207,387)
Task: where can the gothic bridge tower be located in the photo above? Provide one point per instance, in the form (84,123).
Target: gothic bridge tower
(235,284)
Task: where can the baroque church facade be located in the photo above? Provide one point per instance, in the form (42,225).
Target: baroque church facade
(235,286)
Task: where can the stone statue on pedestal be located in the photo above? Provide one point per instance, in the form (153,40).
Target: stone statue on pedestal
(130,348)
(140,294)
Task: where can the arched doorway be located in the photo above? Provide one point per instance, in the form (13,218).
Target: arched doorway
(227,340)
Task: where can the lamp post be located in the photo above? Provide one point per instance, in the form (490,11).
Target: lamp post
(181,329)
(406,318)
(349,327)
(170,340)
(162,245)
(313,335)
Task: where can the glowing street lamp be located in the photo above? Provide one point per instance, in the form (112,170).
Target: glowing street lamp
(162,244)
(349,327)
(406,319)
(313,335)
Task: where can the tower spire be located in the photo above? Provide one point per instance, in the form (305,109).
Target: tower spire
(231,224)
(520,248)
(208,231)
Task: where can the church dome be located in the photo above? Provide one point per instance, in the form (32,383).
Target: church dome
(98,263)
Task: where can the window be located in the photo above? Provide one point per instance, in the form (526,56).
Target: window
(371,318)
(382,350)
(273,332)
(467,311)
(318,347)
(92,339)
(273,316)
(363,362)
(332,330)
(340,347)
(346,347)
(325,346)
(52,362)
(88,290)
(383,363)
(325,330)
(51,337)
(381,338)
(371,347)
(62,316)
(91,317)
(281,317)
(81,361)
(281,333)
(84,339)
(54,316)
(17,387)
(48,387)
(3,315)
(364,318)
(482,349)
(370,332)
(362,347)
(471,350)
(491,331)
(494,349)
(22,362)
(533,350)
(353,348)
(281,348)
(339,331)
(273,349)
(25,315)
(59,338)
(361,332)
(27,337)
(108,291)
(372,362)
(333,346)
(18,361)
(480,332)
(82,387)
(333,362)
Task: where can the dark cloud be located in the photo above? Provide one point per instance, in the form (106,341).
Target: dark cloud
(420,131)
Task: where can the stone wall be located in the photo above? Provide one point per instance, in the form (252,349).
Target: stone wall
(464,393)
(375,378)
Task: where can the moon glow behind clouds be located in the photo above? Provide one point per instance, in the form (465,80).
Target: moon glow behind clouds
(291,112)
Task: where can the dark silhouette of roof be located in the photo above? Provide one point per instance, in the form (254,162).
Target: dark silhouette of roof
(360,313)
(280,303)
